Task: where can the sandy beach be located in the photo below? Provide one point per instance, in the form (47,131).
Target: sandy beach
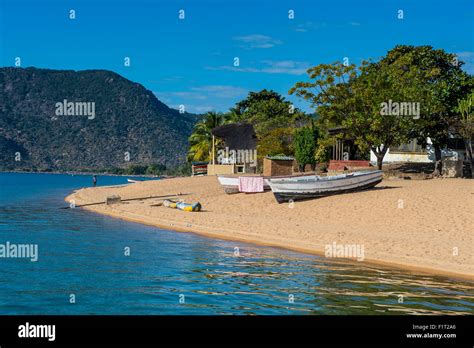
(419,225)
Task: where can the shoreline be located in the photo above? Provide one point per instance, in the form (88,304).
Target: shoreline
(211,224)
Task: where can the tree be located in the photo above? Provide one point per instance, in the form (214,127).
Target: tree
(254,98)
(266,111)
(352,97)
(305,147)
(435,79)
(278,141)
(156,169)
(201,138)
(466,125)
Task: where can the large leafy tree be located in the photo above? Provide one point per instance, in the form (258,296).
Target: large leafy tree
(200,140)
(278,141)
(351,97)
(266,111)
(433,78)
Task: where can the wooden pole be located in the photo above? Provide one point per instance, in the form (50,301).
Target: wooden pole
(129,199)
(213,151)
(334,149)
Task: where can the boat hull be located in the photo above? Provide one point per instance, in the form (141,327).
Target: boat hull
(301,189)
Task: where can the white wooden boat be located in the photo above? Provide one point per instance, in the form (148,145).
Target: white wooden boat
(299,188)
(230,183)
(132,180)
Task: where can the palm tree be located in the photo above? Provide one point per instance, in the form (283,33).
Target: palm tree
(200,140)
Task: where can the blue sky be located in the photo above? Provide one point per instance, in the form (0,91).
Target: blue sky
(191,61)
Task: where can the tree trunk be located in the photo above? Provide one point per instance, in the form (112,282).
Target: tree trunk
(379,161)
(469,154)
(380,154)
(438,162)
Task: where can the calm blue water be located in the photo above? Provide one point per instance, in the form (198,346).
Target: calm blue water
(82,253)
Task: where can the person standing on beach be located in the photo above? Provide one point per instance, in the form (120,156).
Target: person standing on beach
(94,180)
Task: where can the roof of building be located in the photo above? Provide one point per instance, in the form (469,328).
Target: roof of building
(237,136)
(336,130)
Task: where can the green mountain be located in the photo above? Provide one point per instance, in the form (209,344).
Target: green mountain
(92,119)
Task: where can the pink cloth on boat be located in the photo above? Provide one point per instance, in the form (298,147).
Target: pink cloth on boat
(250,184)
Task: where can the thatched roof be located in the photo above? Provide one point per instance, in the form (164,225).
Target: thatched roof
(237,136)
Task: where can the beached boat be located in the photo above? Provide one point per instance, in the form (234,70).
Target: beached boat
(132,180)
(298,188)
(230,183)
(188,207)
(182,206)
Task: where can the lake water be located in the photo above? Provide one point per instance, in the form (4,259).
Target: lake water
(167,272)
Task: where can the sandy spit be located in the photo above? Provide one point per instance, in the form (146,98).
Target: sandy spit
(419,225)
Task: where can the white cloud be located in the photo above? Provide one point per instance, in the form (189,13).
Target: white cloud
(205,98)
(468,58)
(182,95)
(289,67)
(221,91)
(307,26)
(257,41)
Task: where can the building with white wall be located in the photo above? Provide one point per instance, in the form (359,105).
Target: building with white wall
(413,152)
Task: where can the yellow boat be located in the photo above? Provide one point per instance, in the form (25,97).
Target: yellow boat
(182,206)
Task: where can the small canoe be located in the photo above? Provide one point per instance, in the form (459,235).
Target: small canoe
(299,188)
(230,183)
(189,207)
(182,206)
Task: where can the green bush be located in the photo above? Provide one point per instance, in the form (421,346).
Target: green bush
(305,146)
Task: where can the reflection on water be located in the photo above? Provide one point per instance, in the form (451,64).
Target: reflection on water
(82,253)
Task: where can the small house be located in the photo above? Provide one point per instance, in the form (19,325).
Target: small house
(278,165)
(412,152)
(234,149)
